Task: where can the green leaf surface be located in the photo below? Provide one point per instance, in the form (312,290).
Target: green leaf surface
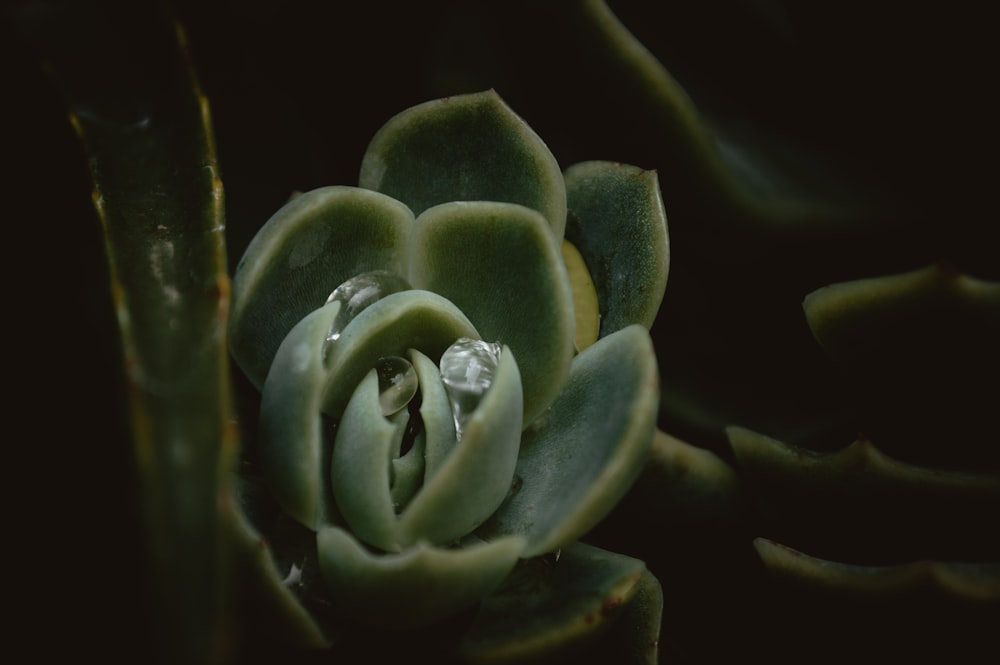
(768,183)
(500,265)
(854,321)
(687,485)
(582,456)
(465,148)
(317,241)
(309,378)
(413,588)
(617,221)
(836,505)
(405,320)
(360,466)
(971,581)
(436,414)
(553,607)
(263,598)
(145,126)
(291,438)
(635,635)
(861,461)
(474,479)
(921,351)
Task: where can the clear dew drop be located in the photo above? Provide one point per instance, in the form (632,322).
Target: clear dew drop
(397,383)
(356,294)
(467,369)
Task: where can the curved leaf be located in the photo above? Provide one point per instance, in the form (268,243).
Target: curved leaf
(499,264)
(862,461)
(145,125)
(850,318)
(291,437)
(770,185)
(435,411)
(465,148)
(635,635)
(580,458)
(976,582)
(414,588)
(303,384)
(476,475)
(921,352)
(360,465)
(549,606)
(389,327)
(686,485)
(317,241)
(838,504)
(617,221)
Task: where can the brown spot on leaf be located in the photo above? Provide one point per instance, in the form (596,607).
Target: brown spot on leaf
(610,605)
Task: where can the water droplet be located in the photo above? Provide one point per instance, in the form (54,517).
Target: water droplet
(397,383)
(467,369)
(294,577)
(359,292)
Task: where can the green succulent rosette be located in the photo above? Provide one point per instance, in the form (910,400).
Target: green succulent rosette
(370,316)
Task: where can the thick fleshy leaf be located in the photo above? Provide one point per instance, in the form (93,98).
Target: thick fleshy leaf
(416,587)
(841,502)
(360,465)
(921,351)
(308,248)
(617,221)
(474,479)
(263,597)
(500,265)
(464,491)
(145,127)
(581,457)
(465,148)
(436,414)
(853,320)
(765,456)
(291,437)
(389,327)
(733,170)
(684,485)
(310,377)
(635,635)
(551,605)
(973,581)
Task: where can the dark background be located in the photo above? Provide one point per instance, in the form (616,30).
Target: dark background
(895,95)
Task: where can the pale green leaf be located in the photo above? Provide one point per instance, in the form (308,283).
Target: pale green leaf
(550,605)
(617,222)
(360,465)
(580,458)
(500,265)
(389,327)
(291,437)
(465,148)
(477,473)
(317,241)
(413,588)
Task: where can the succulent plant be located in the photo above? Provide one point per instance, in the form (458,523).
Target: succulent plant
(826,348)
(430,421)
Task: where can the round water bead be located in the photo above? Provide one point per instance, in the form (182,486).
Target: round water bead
(359,292)
(397,383)
(467,369)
